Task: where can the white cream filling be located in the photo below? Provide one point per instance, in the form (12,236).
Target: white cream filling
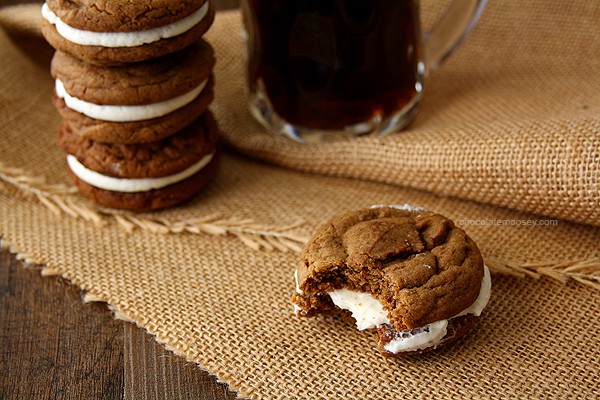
(298,290)
(114,113)
(405,207)
(124,39)
(297,309)
(369,313)
(420,338)
(132,185)
(484,296)
(366,309)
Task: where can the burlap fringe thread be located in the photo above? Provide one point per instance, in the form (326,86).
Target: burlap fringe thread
(61,199)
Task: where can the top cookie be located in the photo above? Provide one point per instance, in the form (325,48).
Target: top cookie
(122,15)
(119,32)
(417,264)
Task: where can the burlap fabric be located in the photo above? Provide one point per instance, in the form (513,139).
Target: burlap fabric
(512,119)
(212,279)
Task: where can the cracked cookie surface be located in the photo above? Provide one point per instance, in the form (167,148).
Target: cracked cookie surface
(418,264)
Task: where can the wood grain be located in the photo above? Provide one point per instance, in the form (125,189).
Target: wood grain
(55,346)
(153,373)
(52,345)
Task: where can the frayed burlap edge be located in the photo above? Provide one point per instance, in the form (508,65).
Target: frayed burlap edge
(176,347)
(63,199)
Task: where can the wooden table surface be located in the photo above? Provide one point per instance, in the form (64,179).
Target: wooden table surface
(54,346)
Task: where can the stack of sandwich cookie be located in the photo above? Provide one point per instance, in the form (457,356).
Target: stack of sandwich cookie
(133,83)
(409,274)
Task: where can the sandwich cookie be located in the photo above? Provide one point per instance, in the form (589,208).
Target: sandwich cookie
(143,177)
(411,275)
(117,32)
(139,103)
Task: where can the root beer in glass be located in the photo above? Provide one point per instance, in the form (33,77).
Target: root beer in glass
(318,70)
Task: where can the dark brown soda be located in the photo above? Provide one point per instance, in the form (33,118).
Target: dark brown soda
(328,64)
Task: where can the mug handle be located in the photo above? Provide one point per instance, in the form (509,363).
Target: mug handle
(450,30)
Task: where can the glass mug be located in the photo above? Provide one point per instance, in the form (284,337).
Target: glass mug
(319,70)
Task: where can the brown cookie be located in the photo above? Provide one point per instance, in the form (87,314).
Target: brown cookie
(120,15)
(136,131)
(193,147)
(138,84)
(396,269)
(145,85)
(129,31)
(152,200)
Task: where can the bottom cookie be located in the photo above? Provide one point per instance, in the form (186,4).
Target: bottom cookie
(144,176)
(151,200)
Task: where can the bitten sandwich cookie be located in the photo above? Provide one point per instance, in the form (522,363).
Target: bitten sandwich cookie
(143,177)
(116,32)
(411,274)
(139,103)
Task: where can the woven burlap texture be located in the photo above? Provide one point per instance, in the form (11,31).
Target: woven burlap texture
(513,118)
(212,279)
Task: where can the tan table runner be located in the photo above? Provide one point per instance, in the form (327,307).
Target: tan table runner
(212,279)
